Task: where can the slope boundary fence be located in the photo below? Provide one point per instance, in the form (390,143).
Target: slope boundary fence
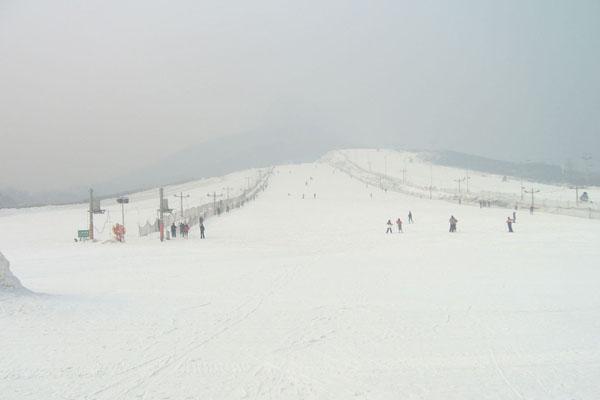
(192,215)
(344,164)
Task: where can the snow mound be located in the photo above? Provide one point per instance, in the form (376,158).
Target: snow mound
(8,282)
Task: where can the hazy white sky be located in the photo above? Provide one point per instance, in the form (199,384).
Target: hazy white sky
(89,88)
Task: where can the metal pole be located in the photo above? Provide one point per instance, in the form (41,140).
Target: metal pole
(533,191)
(430,181)
(385,173)
(181,197)
(123,214)
(458,181)
(227,189)
(161,227)
(522,189)
(92,214)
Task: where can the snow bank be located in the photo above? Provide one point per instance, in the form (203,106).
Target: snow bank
(8,282)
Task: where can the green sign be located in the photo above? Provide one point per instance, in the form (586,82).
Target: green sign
(83,234)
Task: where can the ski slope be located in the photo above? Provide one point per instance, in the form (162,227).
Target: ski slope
(292,298)
(408,172)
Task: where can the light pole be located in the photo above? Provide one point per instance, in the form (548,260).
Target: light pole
(122,201)
(523,187)
(532,191)
(181,197)
(467,178)
(459,180)
(214,197)
(91,227)
(385,167)
(430,181)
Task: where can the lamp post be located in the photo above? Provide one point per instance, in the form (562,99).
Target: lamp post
(181,197)
(122,201)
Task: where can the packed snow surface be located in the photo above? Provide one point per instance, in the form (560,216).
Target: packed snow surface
(305,298)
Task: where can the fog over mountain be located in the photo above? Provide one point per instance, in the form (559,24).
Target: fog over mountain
(224,155)
(124,94)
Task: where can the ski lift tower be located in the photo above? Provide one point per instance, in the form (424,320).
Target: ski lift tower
(164,208)
(94,209)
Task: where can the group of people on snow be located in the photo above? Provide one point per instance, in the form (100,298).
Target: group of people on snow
(398,223)
(452,221)
(184,229)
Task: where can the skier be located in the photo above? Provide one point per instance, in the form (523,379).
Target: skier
(181,228)
(389,226)
(509,223)
(173,230)
(202,230)
(410,218)
(399,223)
(186,230)
(453,222)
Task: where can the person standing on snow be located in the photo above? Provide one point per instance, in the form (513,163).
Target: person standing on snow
(173,230)
(202,230)
(453,221)
(410,218)
(399,223)
(514,218)
(509,223)
(389,226)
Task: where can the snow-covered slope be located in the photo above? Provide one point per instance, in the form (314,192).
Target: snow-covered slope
(301,295)
(409,173)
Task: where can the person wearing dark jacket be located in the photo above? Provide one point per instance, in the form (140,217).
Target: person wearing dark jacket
(509,223)
(202,230)
(453,221)
(173,230)
(389,226)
